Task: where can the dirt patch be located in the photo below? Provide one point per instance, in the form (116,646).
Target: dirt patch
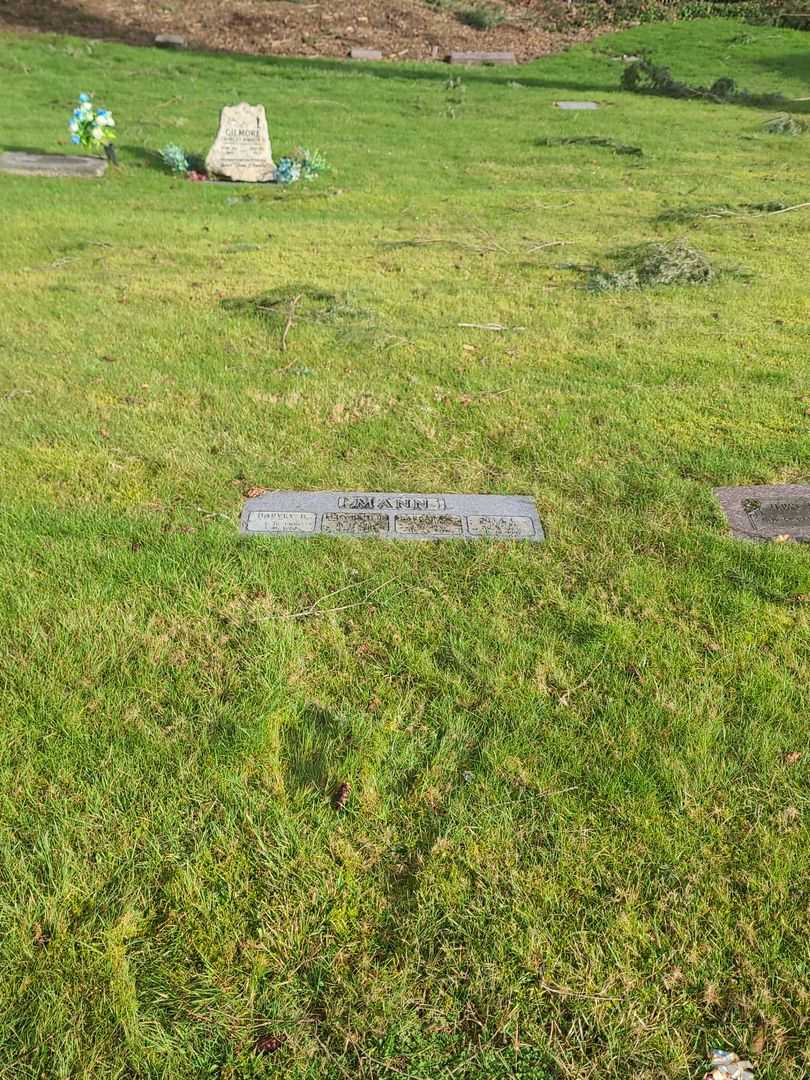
(401,29)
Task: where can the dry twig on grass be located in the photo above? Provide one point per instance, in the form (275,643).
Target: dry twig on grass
(288,324)
(315,608)
(495,327)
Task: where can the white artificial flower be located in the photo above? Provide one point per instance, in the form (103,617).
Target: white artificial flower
(96,132)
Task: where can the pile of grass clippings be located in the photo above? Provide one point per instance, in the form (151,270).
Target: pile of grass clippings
(785,124)
(645,266)
(688,215)
(644,77)
(591,140)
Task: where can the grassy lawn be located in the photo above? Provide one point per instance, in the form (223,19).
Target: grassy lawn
(576,842)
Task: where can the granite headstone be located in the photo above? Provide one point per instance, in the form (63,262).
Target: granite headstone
(765,512)
(393,515)
(468,58)
(365,54)
(22,163)
(241,150)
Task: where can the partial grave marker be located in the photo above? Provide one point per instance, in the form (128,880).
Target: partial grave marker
(767,511)
(241,150)
(481,58)
(171,41)
(392,515)
(20,163)
(365,54)
(576,105)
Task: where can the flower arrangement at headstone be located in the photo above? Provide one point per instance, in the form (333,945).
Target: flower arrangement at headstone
(93,128)
(301,164)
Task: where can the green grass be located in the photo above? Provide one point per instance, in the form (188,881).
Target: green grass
(481,18)
(576,843)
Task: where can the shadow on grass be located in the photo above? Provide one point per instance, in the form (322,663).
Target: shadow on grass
(316,746)
(788,65)
(143,158)
(51,16)
(435,72)
(13,149)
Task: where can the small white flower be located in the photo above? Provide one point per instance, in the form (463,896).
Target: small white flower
(96,132)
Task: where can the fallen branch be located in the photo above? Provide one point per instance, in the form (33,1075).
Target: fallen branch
(425,241)
(289,322)
(546,244)
(316,609)
(496,327)
(786,209)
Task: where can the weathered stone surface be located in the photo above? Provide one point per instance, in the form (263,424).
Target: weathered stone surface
(393,515)
(21,163)
(481,58)
(171,41)
(241,150)
(429,524)
(766,511)
(576,105)
(366,54)
(354,524)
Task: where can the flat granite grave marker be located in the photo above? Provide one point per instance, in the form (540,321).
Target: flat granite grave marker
(171,41)
(392,515)
(766,511)
(21,163)
(241,150)
(481,58)
(576,105)
(365,54)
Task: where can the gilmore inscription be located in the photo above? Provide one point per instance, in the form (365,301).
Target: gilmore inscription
(393,515)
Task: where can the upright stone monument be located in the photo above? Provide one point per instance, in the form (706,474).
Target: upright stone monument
(241,150)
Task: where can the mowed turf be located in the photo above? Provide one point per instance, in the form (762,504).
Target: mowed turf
(576,842)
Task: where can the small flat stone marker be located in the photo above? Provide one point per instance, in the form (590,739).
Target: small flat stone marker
(170,41)
(365,54)
(241,150)
(767,511)
(20,163)
(576,105)
(481,58)
(392,515)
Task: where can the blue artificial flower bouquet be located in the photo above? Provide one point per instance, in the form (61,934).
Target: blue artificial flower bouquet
(92,128)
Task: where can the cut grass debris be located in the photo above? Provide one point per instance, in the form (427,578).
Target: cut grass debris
(785,124)
(643,77)
(645,266)
(687,215)
(591,140)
